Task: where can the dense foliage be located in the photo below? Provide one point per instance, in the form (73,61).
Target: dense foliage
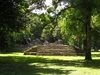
(12,19)
(76,22)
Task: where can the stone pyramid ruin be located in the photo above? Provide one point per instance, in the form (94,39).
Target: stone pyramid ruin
(53,49)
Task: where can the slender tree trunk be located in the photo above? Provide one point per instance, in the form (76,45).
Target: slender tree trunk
(88,35)
(80,42)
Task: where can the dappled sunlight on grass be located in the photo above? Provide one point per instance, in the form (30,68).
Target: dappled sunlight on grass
(19,64)
(53,68)
(77,69)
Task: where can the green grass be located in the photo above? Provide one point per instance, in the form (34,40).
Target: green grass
(19,64)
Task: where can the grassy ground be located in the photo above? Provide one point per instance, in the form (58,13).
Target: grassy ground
(19,64)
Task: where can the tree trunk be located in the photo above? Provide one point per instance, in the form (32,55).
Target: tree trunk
(80,42)
(88,35)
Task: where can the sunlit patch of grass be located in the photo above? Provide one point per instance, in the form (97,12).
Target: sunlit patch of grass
(96,55)
(12,54)
(85,71)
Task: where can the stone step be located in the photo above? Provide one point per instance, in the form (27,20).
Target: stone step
(58,54)
(81,54)
(30,53)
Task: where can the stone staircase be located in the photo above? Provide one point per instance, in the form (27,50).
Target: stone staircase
(53,50)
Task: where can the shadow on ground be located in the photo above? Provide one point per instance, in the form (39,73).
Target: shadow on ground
(25,69)
(16,65)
